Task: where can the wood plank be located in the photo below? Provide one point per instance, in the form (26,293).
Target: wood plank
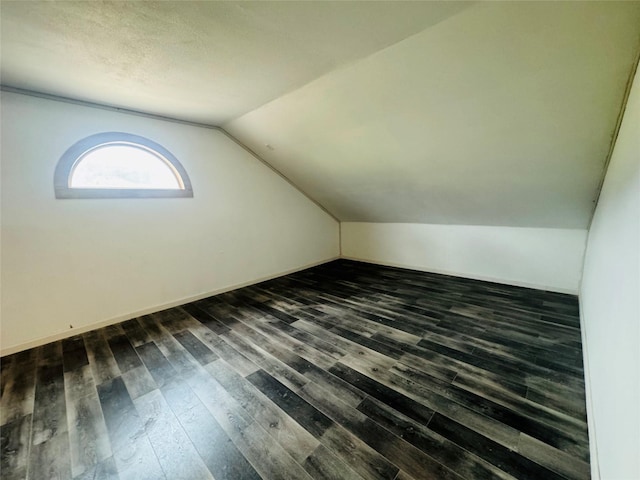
(283,344)
(132,451)
(336,386)
(105,470)
(175,452)
(555,428)
(552,458)
(573,405)
(218,452)
(18,386)
(268,458)
(124,353)
(267,362)
(205,318)
(446,452)
(290,435)
(345,370)
(494,453)
(135,333)
(158,366)
(297,408)
(49,411)
(404,455)
(15,444)
(173,351)
(74,354)
(357,454)
(50,459)
(225,351)
(103,365)
(324,465)
(400,402)
(79,383)
(195,347)
(138,381)
(88,441)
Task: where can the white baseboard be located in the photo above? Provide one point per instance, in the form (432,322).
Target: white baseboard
(464,275)
(94,326)
(591,425)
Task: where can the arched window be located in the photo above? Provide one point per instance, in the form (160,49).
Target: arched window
(119,165)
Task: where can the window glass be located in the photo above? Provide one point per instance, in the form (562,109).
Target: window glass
(122,166)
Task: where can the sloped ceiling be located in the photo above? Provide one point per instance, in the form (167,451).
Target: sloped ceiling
(203,61)
(491,113)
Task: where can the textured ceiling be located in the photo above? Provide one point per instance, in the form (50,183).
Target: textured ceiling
(205,61)
(494,113)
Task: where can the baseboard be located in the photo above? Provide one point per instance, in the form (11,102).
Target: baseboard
(157,308)
(591,424)
(535,286)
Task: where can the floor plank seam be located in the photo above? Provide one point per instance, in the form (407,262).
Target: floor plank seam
(410,375)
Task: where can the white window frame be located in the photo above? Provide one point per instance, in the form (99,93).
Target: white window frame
(75,153)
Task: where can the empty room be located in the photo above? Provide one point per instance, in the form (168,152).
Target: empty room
(320,240)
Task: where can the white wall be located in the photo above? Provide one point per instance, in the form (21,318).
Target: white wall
(543,258)
(610,298)
(90,262)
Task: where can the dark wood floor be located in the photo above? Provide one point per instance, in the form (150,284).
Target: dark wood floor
(346,370)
